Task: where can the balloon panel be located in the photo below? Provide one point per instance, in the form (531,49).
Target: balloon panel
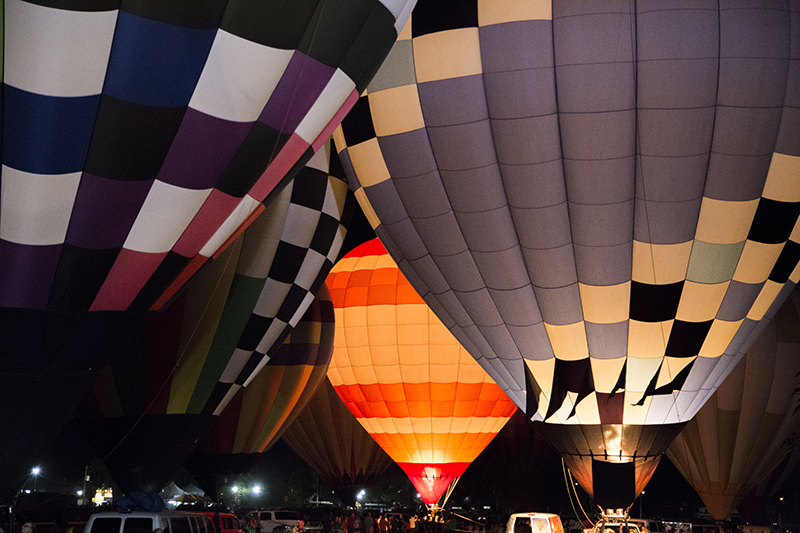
(138,138)
(403,375)
(259,415)
(328,437)
(751,423)
(605,200)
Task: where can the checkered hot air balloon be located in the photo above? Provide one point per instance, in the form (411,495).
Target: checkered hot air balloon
(138,138)
(598,199)
(412,386)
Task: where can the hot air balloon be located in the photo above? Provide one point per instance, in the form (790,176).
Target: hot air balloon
(599,200)
(751,423)
(405,378)
(258,416)
(137,139)
(194,357)
(328,438)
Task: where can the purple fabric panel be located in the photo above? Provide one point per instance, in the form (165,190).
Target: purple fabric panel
(27,273)
(202,150)
(104,211)
(300,86)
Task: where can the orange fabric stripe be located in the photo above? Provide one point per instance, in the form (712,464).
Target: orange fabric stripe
(405,448)
(404,400)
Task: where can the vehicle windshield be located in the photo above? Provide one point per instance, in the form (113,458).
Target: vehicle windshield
(615,528)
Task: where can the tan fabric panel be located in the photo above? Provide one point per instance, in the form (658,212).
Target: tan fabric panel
(782,178)
(756,262)
(448,54)
(700,301)
(671,262)
(499,11)
(368,159)
(719,337)
(396,110)
(569,342)
(724,222)
(647,340)
(606,304)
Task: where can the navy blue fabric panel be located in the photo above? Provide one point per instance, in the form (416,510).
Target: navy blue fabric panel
(786,263)
(655,303)
(131,141)
(686,338)
(46,134)
(253,332)
(357,125)
(156,64)
(370,48)
(194,14)
(260,146)
(773,221)
(276,23)
(80,274)
(431,16)
(333,30)
(309,189)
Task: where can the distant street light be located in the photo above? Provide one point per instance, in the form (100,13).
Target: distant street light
(35,473)
(256,489)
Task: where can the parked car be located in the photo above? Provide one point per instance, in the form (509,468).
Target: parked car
(534,523)
(148,522)
(223,522)
(274,519)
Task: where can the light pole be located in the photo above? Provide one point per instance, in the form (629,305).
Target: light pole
(35,473)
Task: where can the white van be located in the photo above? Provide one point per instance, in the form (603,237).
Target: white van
(534,523)
(148,522)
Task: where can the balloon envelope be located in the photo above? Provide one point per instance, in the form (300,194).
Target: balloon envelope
(599,201)
(751,423)
(328,437)
(405,378)
(137,139)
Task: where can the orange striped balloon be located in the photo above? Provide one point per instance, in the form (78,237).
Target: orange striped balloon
(408,381)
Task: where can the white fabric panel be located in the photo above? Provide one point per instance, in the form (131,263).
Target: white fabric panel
(296,229)
(238,79)
(235,364)
(246,206)
(56,52)
(35,208)
(312,266)
(165,214)
(329,102)
(269,301)
(226,400)
(321,158)
(660,407)
(273,331)
(301,309)
(335,197)
(261,364)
